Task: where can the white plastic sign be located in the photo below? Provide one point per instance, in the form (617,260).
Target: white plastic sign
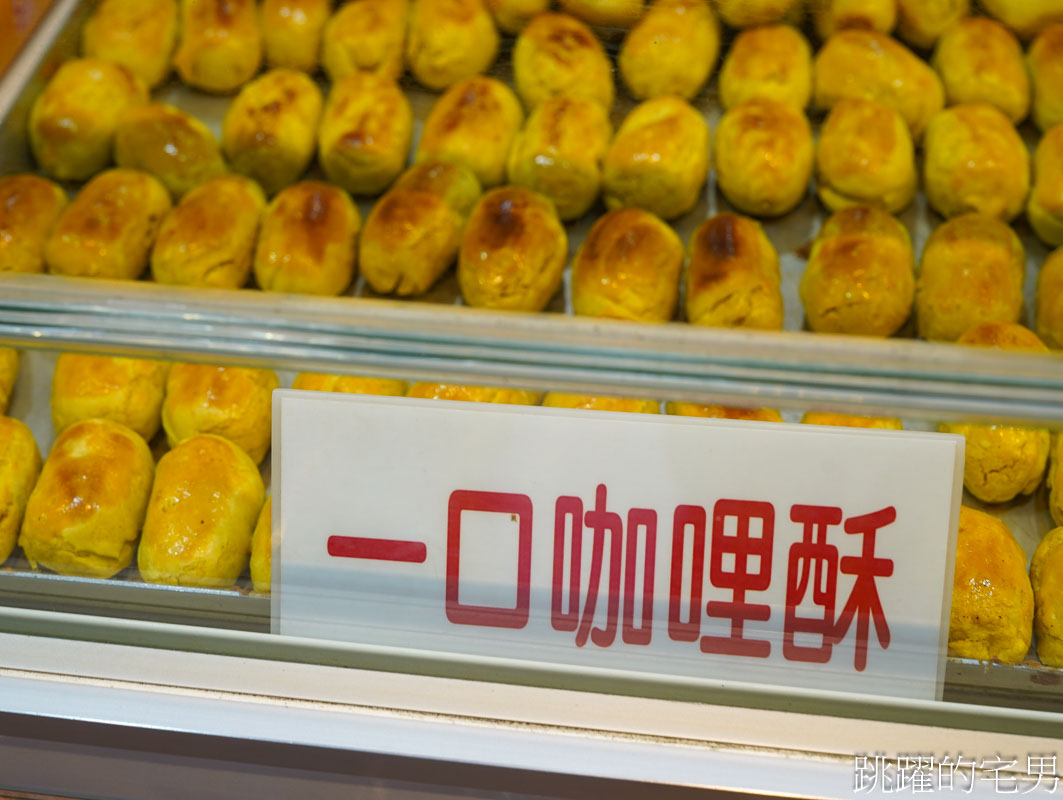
(791,555)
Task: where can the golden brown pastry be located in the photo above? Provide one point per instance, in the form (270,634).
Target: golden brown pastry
(1001,461)
(860,274)
(291,32)
(221,47)
(232,402)
(262,549)
(671,50)
(628,268)
(166,142)
(604,13)
(1045,61)
(413,234)
(365,133)
(920,23)
(473,124)
(865,156)
(1046,579)
(559,153)
(348,384)
(831,16)
(513,251)
(763,157)
(306,243)
(723,412)
(746,13)
(992,601)
(1054,479)
(874,66)
(733,277)
(474,394)
(108,230)
(600,403)
(773,62)
(448,41)
(365,36)
(208,239)
(558,55)
(202,511)
(8,376)
(270,130)
(976,161)
(72,122)
(29,207)
(511,16)
(851,421)
(1044,208)
(972,270)
(85,512)
(1050,301)
(980,61)
(20,464)
(124,390)
(659,159)
(1025,17)
(140,36)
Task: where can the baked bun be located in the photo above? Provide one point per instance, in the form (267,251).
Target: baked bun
(865,156)
(723,412)
(559,153)
(1054,479)
(348,384)
(8,376)
(763,157)
(128,391)
(980,61)
(851,421)
(1025,17)
(108,230)
(628,268)
(1045,61)
(860,277)
(1050,301)
(733,277)
(659,159)
(921,23)
(20,464)
(448,41)
(972,270)
(773,62)
(1046,579)
(671,50)
(412,235)
(600,403)
(166,142)
(474,394)
(233,402)
(270,129)
(747,13)
(291,32)
(557,55)
(307,241)
(85,512)
(604,13)
(513,251)
(202,512)
(221,47)
(992,600)
(29,207)
(140,36)
(831,16)
(262,549)
(72,122)
(1044,208)
(365,36)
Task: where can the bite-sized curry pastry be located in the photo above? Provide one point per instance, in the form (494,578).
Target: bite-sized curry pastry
(220,46)
(1002,461)
(108,229)
(763,157)
(733,276)
(208,239)
(140,36)
(860,277)
(559,153)
(365,36)
(448,41)
(865,156)
(306,243)
(511,16)
(232,402)
(975,161)
(628,268)
(1045,60)
(723,412)
(85,512)
(980,61)
(473,124)
(671,50)
(413,233)
(992,600)
(659,158)
(166,142)
(1050,302)
(972,270)
(831,16)
(348,384)
(20,464)
(1026,17)
(1044,208)
(1046,579)
(291,32)
(270,129)
(874,66)
(558,55)
(72,122)
(851,421)
(604,13)
(633,405)
(474,394)
(124,390)
(29,207)
(920,23)
(8,376)
(1054,480)
(747,13)
(773,62)
(262,549)
(365,133)
(201,515)
(512,252)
